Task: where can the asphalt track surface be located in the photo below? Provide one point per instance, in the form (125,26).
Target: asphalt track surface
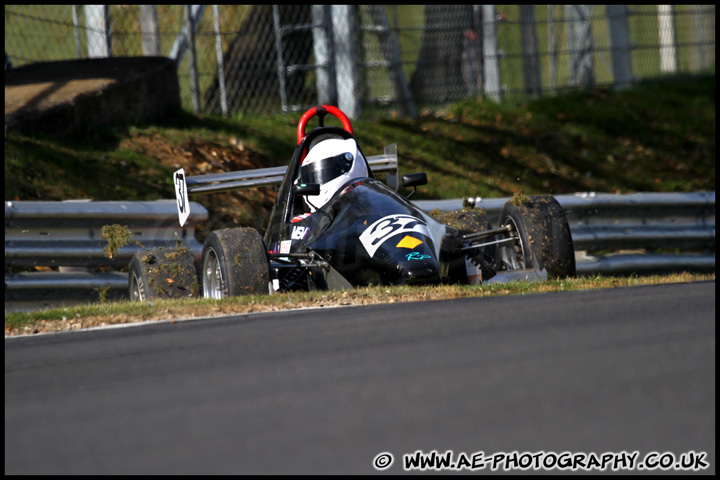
(326,390)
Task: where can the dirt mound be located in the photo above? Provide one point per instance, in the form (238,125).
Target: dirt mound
(58,98)
(248,207)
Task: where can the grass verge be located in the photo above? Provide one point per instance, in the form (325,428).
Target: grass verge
(658,136)
(124,312)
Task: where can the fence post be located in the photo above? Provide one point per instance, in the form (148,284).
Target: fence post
(580,45)
(474,66)
(97,20)
(708,40)
(552,48)
(620,45)
(177,52)
(149,30)
(702,55)
(666,33)
(192,63)
(491,55)
(348,85)
(392,54)
(280,58)
(76,31)
(324,51)
(531,61)
(220,61)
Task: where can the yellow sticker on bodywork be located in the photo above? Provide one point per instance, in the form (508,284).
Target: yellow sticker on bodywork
(409,242)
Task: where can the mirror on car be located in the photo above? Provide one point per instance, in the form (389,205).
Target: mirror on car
(414,179)
(307,189)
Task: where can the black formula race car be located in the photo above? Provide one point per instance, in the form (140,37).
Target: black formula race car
(335,225)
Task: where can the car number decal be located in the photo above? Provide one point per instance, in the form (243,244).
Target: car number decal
(389,226)
(181,196)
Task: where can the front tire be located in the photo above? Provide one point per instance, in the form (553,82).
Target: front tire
(542,237)
(234,262)
(162,273)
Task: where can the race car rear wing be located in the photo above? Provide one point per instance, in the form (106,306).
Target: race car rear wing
(387,163)
(260,177)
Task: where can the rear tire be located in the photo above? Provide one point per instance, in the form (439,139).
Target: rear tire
(542,235)
(162,273)
(234,262)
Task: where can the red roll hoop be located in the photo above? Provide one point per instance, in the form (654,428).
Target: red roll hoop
(321,111)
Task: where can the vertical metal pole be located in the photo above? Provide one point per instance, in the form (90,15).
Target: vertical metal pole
(324,51)
(220,61)
(76,28)
(149,30)
(531,60)
(345,58)
(492,82)
(620,45)
(552,48)
(97,20)
(700,53)
(177,52)
(478,67)
(580,44)
(192,63)
(392,55)
(666,32)
(707,27)
(708,39)
(279,58)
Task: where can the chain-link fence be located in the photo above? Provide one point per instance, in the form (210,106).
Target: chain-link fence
(277,58)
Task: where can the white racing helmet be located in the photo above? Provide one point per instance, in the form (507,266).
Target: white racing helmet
(332,163)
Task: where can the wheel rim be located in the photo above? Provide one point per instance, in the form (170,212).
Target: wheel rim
(212,276)
(513,257)
(135,293)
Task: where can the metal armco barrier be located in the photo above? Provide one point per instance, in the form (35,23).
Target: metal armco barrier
(67,235)
(680,222)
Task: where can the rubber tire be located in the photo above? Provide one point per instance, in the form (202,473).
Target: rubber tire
(162,273)
(541,225)
(234,262)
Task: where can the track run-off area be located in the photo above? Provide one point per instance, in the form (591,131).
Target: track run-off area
(332,390)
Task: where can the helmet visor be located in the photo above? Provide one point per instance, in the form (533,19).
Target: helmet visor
(322,171)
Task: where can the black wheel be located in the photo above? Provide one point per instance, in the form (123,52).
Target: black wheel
(163,273)
(234,262)
(542,237)
(471,221)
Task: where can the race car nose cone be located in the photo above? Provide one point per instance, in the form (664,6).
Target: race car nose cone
(418,271)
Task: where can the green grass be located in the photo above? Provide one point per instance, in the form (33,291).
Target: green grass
(109,313)
(36,33)
(656,137)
